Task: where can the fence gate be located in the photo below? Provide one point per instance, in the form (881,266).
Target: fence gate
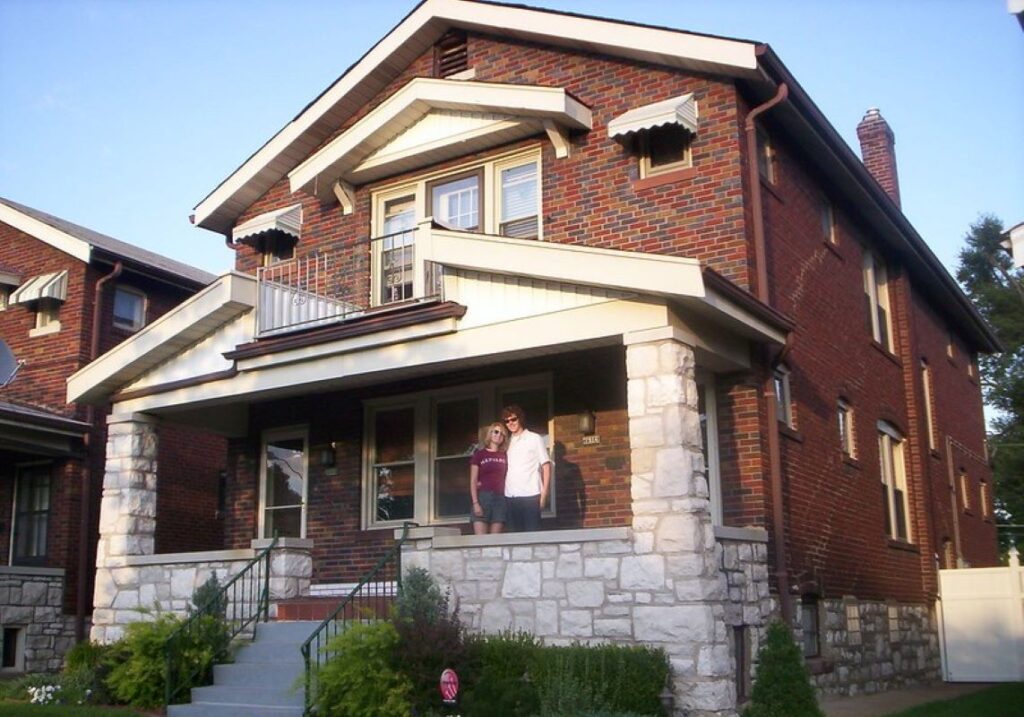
(981,612)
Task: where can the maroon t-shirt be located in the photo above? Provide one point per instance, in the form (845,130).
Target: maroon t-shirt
(492,465)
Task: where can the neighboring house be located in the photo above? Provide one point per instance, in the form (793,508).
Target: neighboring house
(1014,244)
(758,383)
(67,294)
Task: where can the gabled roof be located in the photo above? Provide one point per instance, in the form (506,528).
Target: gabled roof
(415,34)
(80,242)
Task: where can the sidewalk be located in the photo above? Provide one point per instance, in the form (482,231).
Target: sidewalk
(884,703)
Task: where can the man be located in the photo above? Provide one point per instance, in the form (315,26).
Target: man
(529,472)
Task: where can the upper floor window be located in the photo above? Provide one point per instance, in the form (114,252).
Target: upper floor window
(827,216)
(894,482)
(664,149)
(983,499)
(275,248)
(31,514)
(844,415)
(876,294)
(47,317)
(765,157)
(129,309)
(965,490)
(783,397)
(5,292)
(454,202)
(926,384)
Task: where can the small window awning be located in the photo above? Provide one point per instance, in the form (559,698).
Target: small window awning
(287,221)
(680,110)
(45,286)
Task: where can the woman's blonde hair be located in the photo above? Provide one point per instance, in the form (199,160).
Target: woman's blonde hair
(485,434)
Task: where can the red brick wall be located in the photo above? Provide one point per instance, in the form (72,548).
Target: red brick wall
(189,464)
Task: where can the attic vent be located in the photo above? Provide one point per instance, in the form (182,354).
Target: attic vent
(451,55)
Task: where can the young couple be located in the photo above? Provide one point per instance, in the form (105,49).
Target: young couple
(509,478)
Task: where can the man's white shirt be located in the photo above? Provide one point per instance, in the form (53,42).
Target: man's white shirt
(526,454)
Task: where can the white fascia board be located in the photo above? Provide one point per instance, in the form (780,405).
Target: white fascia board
(45,233)
(756,326)
(624,270)
(230,294)
(502,341)
(416,99)
(615,38)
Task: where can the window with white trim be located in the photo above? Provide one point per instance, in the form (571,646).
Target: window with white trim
(983,499)
(844,417)
(707,409)
(47,317)
(965,490)
(5,295)
(783,397)
(926,384)
(853,635)
(876,295)
(31,514)
(284,469)
(129,309)
(894,482)
(417,447)
(827,216)
(665,149)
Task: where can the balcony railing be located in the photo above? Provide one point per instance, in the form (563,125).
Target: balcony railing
(329,287)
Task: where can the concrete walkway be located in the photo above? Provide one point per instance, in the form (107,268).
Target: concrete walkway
(885,703)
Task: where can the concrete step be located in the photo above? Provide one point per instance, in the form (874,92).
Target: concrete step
(263,696)
(258,674)
(201,709)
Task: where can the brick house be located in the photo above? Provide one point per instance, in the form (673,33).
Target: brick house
(68,294)
(715,313)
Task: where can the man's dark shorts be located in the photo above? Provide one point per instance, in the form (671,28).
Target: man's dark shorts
(494,507)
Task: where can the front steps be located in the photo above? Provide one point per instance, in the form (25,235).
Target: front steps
(265,680)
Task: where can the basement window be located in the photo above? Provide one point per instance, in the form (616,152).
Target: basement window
(13,649)
(811,642)
(451,54)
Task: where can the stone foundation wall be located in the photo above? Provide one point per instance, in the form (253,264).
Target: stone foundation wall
(743,555)
(896,645)
(31,599)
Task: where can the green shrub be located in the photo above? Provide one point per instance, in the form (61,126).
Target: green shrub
(139,674)
(208,596)
(363,679)
(430,635)
(782,687)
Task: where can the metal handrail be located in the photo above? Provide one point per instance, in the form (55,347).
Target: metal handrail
(350,610)
(248,601)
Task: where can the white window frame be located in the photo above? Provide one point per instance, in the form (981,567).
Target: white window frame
(5,296)
(140,321)
(876,287)
(489,210)
(648,170)
(965,491)
(847,431)
(827,216)
(283,433)
(712,459)
(983,499)
(783,395)
(47,317)
(893,474)
(424,404)
(929,420)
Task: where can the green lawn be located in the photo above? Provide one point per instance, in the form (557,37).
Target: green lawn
(20,709)
(1006,700)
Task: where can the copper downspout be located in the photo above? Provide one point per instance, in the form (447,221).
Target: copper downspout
(768,389)
(82,600)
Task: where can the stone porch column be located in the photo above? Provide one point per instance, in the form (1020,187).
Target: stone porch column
(673,539)
(127,514)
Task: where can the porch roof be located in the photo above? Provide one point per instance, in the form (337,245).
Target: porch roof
(35,431)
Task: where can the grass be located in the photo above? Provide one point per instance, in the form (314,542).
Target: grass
(1005,700)
(21,709)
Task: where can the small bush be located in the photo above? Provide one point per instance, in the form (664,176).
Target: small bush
(782,687)
(363,679)
(139,678)
(208,596)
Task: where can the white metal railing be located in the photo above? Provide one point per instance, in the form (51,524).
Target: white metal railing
(318,290)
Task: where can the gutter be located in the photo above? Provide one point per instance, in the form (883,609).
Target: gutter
(768,387)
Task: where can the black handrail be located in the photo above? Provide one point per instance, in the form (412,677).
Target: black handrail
(368,602)
(241,602)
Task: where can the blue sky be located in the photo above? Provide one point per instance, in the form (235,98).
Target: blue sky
(122,115)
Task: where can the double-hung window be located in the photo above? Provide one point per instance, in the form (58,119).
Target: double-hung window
(31,514)
(417,447)
(876,295)
(894,482)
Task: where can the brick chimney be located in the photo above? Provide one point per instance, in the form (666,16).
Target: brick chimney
(877,149)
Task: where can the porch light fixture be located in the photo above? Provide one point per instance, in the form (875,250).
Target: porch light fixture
(587,422)
(327,456)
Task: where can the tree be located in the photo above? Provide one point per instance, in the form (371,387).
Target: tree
(782,687)
(986,272)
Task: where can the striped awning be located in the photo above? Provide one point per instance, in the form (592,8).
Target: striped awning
(287,221)
(680,110)
(45,286)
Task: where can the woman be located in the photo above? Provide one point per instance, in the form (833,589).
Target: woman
(487,470)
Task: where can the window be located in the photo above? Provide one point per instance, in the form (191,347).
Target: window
(983,499)
(13,649)
(950,346)
(893,613)
(499,197)
(972,366)
(707,409)
(894,482)
(31,514)
(948,556)
(926,384)
(664,149)
(876,294)
(129,309)
(741,655)
(418,448)
(275,247)
(765,157)
(783,399)
(5,294)
(827,216)
(853,636)
(965,490)
(283,483)
(47,317)
(844,415)
(811,642)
